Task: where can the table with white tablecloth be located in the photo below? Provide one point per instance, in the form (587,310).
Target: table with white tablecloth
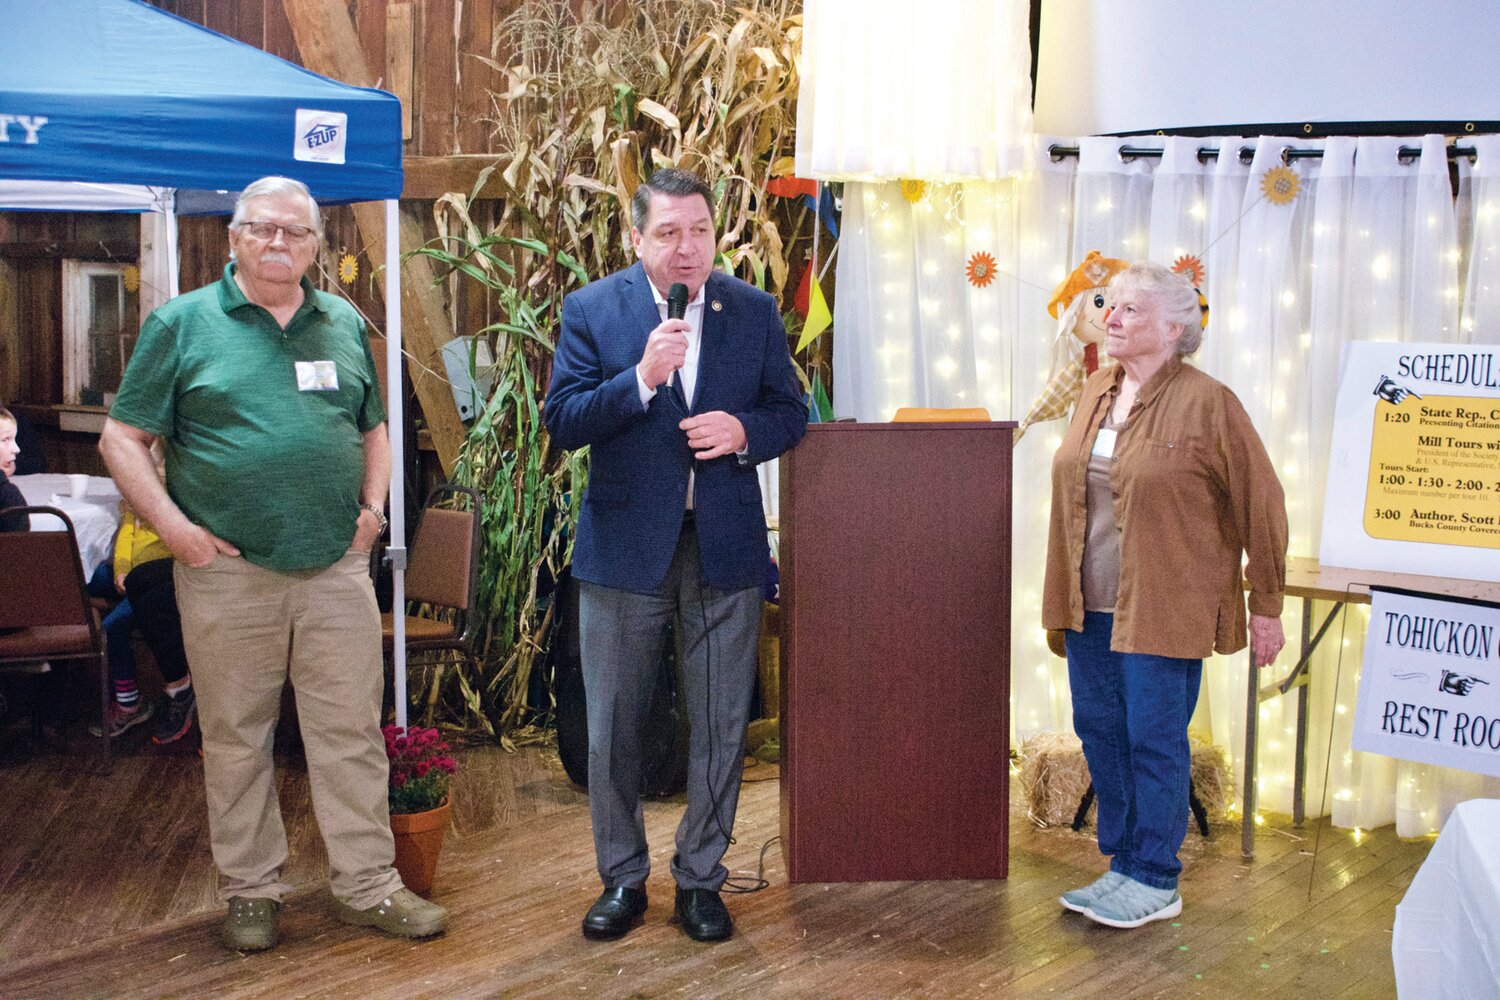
(95,516)
(1446,944)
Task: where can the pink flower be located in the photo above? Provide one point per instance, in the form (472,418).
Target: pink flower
(420,763)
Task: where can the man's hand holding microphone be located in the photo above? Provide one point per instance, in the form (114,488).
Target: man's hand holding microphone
(666,347)
(709,434)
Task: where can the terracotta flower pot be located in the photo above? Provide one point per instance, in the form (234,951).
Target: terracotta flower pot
(419,838)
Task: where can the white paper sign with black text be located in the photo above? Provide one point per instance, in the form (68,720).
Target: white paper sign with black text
(1430,687)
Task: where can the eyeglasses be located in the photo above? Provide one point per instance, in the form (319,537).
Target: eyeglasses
(267,231)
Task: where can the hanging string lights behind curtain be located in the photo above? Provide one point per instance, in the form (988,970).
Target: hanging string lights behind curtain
(942,295)
(958,223)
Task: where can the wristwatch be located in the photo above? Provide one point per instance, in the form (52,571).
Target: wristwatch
(379,514)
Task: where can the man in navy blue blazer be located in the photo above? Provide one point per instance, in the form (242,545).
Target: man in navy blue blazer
(676,412)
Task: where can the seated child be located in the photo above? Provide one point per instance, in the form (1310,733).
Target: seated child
(143,573)
(10,495)
(126,710)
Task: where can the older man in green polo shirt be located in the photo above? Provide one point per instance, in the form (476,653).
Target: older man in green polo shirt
(264,393)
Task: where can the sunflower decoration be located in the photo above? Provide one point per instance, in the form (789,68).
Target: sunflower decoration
(1191,268)
(348,269)
(1280,185)
(913,191)
(981,269)
(131,278)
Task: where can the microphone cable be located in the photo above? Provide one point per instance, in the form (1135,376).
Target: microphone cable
(676,309)
(732,882)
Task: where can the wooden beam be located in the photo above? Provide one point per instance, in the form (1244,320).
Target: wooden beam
(329,45)
(10,334)
(476,81)
(436,88)
(431,177)
(398,60)
(425,326)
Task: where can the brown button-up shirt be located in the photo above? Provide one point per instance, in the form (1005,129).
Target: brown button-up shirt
(1193,489)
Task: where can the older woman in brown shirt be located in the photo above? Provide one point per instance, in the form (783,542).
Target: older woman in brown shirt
(1158,488)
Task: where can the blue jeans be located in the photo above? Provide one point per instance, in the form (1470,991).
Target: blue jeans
(1131,710)
(118,625)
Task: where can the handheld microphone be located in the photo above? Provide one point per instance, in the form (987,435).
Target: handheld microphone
(677,301)
(677,298)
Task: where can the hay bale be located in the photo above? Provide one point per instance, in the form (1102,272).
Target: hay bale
(1055,776)
(1211,780)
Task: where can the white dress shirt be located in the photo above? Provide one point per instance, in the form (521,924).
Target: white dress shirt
(688,373)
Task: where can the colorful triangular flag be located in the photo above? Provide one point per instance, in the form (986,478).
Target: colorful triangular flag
(818,316)
(827,208)
(802,299)
(791,187)
(822,408)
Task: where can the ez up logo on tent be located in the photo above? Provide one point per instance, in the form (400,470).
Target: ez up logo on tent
(30,125)
(320,136)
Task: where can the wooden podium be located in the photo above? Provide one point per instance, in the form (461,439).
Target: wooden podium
(895,590)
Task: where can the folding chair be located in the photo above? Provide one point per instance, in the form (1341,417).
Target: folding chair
(442,571)
(45,613)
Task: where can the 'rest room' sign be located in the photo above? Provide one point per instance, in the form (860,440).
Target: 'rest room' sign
(1429,690)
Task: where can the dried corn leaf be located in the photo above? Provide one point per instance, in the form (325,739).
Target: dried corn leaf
(658,114)
(588,184)
(767,57)
(512,173)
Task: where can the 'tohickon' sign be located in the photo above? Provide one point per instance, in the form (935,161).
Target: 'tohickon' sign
(1430,686)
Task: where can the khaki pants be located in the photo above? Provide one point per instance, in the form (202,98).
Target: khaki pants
(246,628)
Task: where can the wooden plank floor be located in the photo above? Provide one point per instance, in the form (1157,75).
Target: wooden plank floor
(106,890)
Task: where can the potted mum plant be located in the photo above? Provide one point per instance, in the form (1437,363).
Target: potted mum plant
(421,767)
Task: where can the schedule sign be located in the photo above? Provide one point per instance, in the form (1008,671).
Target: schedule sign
(1414,470)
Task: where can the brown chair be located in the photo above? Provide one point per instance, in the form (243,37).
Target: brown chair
(45,612)
(442,572)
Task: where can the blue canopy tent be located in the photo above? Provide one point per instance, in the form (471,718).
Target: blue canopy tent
(120,91)
(115,105)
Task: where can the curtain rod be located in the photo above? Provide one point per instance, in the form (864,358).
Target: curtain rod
(1247,153)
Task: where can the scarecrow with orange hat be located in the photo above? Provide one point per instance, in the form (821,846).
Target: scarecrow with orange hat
(1078,304)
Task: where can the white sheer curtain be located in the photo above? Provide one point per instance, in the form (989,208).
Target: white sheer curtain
(874,103)
(1367,249)
(1403,284)
(1481,189)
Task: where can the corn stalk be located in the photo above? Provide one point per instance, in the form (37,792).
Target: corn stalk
(593,102)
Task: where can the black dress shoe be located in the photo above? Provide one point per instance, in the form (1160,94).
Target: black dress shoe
(614,913)
(703,915)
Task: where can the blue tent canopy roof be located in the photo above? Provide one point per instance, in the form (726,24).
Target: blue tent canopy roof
(120,91)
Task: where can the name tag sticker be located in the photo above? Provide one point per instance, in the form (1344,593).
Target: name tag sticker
(1104,444)
(317,376)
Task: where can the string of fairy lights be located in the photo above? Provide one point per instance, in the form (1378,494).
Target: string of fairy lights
(949,301)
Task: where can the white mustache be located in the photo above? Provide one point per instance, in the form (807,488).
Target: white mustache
(276,257)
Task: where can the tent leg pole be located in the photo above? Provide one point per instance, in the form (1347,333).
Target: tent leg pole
(396,425)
